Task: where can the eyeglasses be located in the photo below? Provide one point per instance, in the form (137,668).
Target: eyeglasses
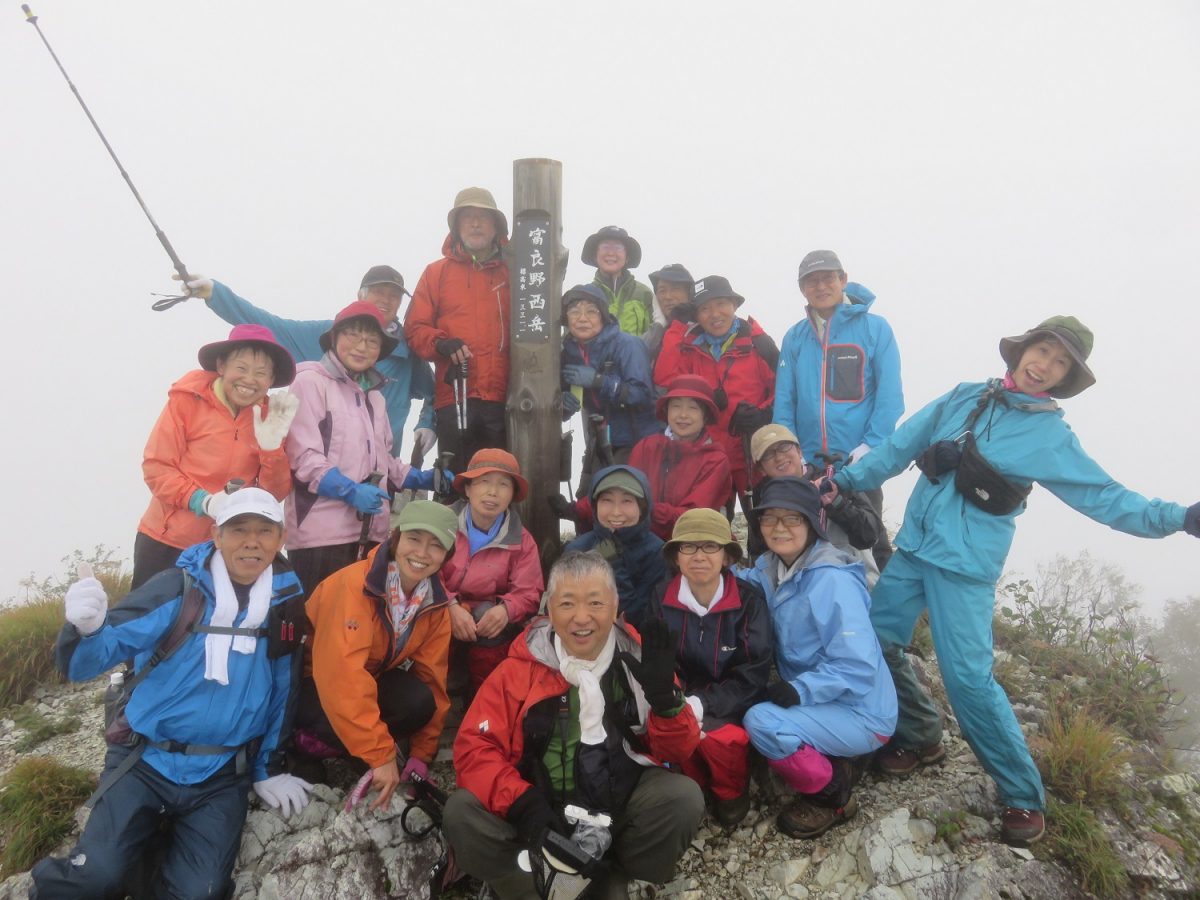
(583,311)
(789,521)
(372,340)
(825,277)
(689,548)
(781,449)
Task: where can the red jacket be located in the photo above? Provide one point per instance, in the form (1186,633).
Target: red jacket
(492,736)
(457,298)
(683,475)
(742,372)
(506,569)
(198,443)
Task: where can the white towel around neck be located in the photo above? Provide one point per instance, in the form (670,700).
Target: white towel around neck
(217,646)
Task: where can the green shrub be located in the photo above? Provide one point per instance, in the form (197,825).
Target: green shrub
(38,799)
(39,728)
(1080,758)
(1075,836)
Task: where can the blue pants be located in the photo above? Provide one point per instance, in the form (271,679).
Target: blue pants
(830,728)
(206,819)
(960,618)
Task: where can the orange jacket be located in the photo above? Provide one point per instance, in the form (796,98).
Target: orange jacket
(198,443)
(352,644)
(457,298)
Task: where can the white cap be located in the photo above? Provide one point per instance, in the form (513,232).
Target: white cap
(251,501)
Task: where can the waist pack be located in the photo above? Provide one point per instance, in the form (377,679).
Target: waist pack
(981,485)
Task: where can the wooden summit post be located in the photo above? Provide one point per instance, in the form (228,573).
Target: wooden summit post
(537,264)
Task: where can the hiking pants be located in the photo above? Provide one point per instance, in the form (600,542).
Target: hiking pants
(834,729)
(649,837)
(206,831)
(405,704)
(721,762)
(151,557)
(486,428)
(960,618)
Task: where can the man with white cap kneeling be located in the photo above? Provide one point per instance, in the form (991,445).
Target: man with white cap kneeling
(212,643)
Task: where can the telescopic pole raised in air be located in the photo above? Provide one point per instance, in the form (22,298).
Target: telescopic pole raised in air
(165,302)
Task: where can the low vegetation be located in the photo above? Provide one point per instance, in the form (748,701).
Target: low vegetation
(38,799)
(1076,837)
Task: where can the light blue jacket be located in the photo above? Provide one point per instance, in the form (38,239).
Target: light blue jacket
(825,646)
(844,390)
(408,376)
(1026,440)
(175,702)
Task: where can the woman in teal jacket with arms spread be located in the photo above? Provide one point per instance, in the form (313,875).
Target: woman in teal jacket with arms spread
(980,447)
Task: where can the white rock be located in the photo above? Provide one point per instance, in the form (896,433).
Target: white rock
(788,872)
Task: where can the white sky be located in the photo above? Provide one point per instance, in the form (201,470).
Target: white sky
(979,166)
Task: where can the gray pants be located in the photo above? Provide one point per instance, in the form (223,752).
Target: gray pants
(649,837)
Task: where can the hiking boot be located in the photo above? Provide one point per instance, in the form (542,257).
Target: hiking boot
(900,762)
(804,819)
(731,812)
(1021,827)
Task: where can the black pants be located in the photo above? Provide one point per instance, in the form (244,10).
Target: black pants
(405,704)
(151,557)
(313,565)
(882,551)
(485,429)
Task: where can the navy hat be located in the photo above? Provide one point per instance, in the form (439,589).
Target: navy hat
(633,250)
(790,492)
(713,286)
(674,273)
(587,293)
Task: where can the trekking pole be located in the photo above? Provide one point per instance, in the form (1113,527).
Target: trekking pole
(234,484)
(165,302)
(830,460)
(441,489)
(460,397)
(601,446)
(364,536)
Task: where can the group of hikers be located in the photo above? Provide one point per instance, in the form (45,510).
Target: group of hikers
(661,659)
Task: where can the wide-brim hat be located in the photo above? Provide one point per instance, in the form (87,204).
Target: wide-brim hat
(425,515)
(361,309)
(492,459)
(790,492)
(633,250)
(692,386)
(258,336)
(1076,337)
(479,198)
(697,526)
(713,287)
(768,436)
(384,275)
(587,293)
(673,273)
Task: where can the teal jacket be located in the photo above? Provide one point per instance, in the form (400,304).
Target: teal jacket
(632,303)
(1026,439)
(408,376)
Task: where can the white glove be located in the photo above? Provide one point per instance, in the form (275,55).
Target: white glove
(858,453)
(272,427)
(425,439)
(697,706)
(213,503)
(200,286)
(286,793)
(86,603)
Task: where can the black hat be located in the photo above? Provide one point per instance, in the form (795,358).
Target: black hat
(633,250)
(587,293)
(790,492)
(713,286)
(674,273)
(383,275)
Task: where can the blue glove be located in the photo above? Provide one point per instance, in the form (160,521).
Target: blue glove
(570,404)
(196,502)
(1191,520)
(584,376)
(416,480)
(366,498)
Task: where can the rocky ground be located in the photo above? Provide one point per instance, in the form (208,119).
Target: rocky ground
(934,835)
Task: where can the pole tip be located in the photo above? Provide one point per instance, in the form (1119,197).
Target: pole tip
(29,16)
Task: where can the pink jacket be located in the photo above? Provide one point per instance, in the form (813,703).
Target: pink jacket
(507,569)
(337,425)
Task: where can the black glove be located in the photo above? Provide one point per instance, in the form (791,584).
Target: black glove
(532,816)
(781,693)
(655,672)
(938,459)
(684,312)
(447,347)
(1191,520)
(747,419)
(563,508)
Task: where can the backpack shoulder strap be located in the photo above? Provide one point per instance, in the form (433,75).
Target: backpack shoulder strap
(191,610)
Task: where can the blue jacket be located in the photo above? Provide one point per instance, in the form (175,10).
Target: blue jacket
(626,397)
(634,552)
(845,390)
(825,646)
(1027,440)
(175,702)
(408,376)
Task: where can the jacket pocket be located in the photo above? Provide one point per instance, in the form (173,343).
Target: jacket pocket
(844,367)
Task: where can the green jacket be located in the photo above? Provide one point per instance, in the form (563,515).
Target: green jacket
(632,304)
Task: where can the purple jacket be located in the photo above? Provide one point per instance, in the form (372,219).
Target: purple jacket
(338,425)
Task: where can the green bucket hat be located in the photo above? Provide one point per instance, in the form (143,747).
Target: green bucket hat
(698,526)
(425,515)
(1072,334)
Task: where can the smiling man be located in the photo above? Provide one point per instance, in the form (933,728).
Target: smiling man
(205,722)
(578,714)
